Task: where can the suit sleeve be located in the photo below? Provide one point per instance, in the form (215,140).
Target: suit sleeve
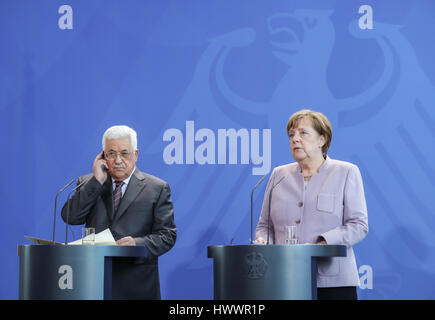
(80,204)
(355,222)
(164,232)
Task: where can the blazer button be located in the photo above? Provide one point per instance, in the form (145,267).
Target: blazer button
(300,204)
(298,221)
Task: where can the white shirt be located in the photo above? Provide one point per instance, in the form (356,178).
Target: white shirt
(124,186)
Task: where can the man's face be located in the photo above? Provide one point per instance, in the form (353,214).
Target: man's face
(120,158)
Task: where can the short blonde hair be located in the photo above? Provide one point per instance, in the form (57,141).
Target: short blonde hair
(319,122)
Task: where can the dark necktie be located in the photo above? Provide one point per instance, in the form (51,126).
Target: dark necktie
(117,195)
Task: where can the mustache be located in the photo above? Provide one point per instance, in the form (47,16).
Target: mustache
(118,167)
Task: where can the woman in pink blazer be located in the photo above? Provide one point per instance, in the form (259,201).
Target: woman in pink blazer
(323,198)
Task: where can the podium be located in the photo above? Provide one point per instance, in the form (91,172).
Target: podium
(268,272)
(73,272)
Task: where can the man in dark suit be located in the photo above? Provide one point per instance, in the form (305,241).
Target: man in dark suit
(135,206)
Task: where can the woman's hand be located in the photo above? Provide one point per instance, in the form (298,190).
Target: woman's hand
(260,240)
(321,240)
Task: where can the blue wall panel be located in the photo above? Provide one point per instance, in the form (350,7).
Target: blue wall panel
(165,67)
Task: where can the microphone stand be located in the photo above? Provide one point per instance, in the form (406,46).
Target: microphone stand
(55,205)
(68,209)
(268,214)
(252,205)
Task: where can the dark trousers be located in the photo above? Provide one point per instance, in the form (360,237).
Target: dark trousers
(337,293)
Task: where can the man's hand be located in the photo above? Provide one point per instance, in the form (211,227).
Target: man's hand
(99,168)
(126,241)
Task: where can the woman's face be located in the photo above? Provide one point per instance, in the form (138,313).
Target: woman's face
(305,141)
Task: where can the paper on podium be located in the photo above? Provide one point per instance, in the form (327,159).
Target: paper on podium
(42,241)
(103,238)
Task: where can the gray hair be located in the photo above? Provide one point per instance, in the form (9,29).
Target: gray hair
(120,132)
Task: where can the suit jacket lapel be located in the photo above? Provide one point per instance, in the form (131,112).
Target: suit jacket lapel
(135,186)
(108,198)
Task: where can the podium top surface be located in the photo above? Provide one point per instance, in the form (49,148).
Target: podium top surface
(97,250)
(313,250)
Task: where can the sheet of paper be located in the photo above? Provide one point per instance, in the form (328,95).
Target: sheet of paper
(41,241)
(105,237)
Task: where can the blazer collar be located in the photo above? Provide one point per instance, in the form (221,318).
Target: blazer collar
(322,168)
(135,186)
(325,165)
(107,197)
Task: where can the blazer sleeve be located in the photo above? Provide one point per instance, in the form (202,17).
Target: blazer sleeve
(80,204)
(355,221)
(261,230)
(164,232)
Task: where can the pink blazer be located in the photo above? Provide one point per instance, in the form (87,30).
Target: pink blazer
(332,206)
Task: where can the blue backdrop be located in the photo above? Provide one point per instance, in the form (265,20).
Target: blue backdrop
(183,74)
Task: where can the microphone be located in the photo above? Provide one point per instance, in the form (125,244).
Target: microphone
(252,205)
(268,214)
(68,206)
(55,205)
